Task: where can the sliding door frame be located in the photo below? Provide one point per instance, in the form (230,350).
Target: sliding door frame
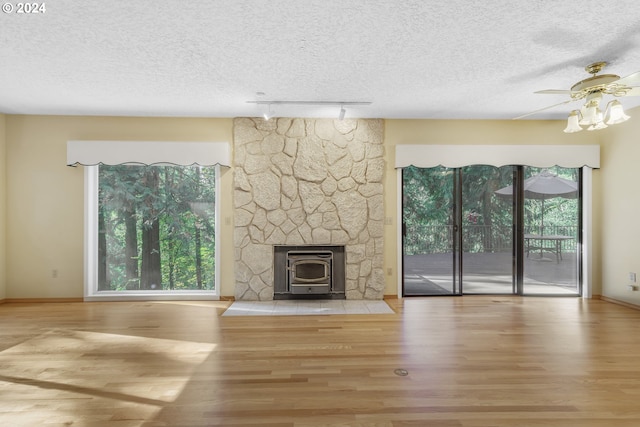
(457,232)
(518,231)
(584,243)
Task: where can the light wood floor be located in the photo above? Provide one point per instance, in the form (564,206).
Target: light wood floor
(471,361)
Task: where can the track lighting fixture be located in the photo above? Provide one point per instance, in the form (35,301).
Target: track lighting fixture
(268,114)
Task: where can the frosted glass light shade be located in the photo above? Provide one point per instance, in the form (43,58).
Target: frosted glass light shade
(589,117)
(616,113)
(573,122)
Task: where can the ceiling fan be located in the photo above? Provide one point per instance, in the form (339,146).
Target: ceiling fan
(592,90)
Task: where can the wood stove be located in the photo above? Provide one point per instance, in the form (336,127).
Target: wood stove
(309,272)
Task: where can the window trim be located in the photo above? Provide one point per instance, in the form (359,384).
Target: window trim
(91,153)
(456,156)
(91,292)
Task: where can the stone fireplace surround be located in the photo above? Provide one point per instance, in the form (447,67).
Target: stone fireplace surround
(308,182)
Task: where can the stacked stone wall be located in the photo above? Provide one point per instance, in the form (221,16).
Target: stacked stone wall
(308,181)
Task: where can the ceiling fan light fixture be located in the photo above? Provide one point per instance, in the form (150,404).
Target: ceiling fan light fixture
(615,113)
(592,90)
(573,122)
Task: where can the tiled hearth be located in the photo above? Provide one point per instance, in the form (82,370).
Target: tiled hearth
(308,182)
(307,308)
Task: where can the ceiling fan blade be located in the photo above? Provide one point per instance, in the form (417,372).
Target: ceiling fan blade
(554,92)
(542,109)
(630,80)
(634,91)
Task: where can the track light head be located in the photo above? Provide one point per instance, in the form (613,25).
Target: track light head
(268,114)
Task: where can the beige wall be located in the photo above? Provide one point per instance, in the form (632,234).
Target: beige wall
(470,132)
(3,205)
(619,205)
(45,198)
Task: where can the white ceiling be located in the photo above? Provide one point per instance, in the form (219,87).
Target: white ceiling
(410,58)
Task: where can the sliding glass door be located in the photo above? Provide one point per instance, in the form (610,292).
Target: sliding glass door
(430,231)
(487,230)
(551,231)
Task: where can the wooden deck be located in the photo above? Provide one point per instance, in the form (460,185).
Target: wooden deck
(491,273)
(472,361)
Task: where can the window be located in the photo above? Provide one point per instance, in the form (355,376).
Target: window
(151,231)
(151,210)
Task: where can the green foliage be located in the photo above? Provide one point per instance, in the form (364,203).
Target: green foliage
(487,220)
(427,209)
(182,203)
(559,215)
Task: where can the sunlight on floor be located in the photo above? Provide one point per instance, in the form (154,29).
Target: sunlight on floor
(78,365)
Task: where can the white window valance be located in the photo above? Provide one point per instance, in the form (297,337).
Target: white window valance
(89,153)
(455,156)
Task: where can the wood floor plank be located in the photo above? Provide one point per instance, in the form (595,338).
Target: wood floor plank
(473,361)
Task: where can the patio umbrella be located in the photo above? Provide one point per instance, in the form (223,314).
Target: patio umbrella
(545,185)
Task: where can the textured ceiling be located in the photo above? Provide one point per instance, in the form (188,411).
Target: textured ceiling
(410,58)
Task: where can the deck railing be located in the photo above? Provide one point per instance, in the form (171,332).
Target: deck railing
(431,239)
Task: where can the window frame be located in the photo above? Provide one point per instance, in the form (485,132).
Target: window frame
(91,293)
